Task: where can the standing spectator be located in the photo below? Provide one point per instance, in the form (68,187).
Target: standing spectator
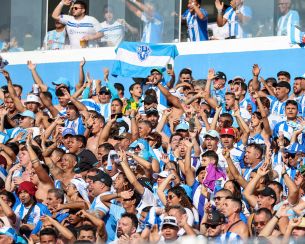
(197,21)
(80,27)
(238,15)
(55,39)
(152,20)
(114,29)
(288,19)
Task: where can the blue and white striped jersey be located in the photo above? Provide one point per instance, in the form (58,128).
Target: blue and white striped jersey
(54,40)
(113,33)
(228,237)
(197,28)
(77,125)
(235,28)
(286,21)
(78,28)
(153,28)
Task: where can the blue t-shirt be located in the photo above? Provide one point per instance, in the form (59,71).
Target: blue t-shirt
(197,28)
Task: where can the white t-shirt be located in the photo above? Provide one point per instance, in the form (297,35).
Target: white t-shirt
(78,28)
(113,33)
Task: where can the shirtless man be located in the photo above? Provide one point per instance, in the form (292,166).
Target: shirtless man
(231,210)
(95,123)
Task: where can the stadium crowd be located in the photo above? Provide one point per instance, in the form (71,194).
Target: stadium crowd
(205,158)
(74,28)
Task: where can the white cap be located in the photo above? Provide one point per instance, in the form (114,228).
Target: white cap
(81,187)
(162,174)
(32,98)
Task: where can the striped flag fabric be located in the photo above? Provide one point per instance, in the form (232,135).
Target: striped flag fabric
(296,35)
(136,59)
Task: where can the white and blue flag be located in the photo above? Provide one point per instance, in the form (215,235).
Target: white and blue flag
(136,59)
(296,35)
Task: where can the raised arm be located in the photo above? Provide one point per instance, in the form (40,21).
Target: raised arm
(12,92)
(162,187)
(221,21)
(293,192)
(233,170)
(250,188)
(189,172)
(104,134)
(171,98)
(81,74)
(266,123)
(132,7)
(7,210)
(244,127)
(58,10)
(129,174)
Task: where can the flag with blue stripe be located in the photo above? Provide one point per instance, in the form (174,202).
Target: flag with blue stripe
(152,218)
(296,35)
(136,59)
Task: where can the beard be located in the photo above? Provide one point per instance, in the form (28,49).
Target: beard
(119,232)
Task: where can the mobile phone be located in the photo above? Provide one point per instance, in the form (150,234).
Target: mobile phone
(169,66)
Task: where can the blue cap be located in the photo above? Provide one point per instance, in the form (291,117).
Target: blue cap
(8,231)
(182,126)
(62,81)
(68,131)
(212,133)
(28,113)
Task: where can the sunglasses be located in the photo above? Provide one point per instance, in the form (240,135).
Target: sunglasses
(104,93)
(210,226)
(76,8)
(170,197)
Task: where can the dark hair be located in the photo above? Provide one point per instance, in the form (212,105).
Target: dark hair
(237,201)
(291,102)
(86,228)
(14,147)
(276,184)
(185,71)
(59,151)
(211,154)
(119,87)
(146,209)
(230,94)
(106,146)
(259,116)
(180,193)
(82,3)
(237,190)
(133,85)
(48,232)
(258,148)
(151,92)
(175,134)
(19,86)
(229,116)
(118,100)
(230,194)
(156,138)
(284,73)
(81,139)
(265,101)
(48,94)
(133,218)
(177,207)
(97,115)
(59,194)
(10,196)
(265,211)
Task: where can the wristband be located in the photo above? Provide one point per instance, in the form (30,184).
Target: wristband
(219,12)
(276,216)
(61,3)
(131,117)
(285,173)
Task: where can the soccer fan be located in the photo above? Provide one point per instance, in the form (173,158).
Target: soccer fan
(196,19)
(80,27)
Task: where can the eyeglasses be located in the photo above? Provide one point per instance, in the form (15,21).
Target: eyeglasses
(76,8)
(218,198)
(210,226)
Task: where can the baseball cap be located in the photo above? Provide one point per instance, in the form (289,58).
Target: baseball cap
(215,218)
(28,113)
(86,160)
(169,220)
(227,131)
(162,174)
(62,81)
(68,131)
(27,186)
(221,75)
(268,192)
(212,133)
(182,126)
(145,182)
(104,89)
(31,98)
(284,84)
(149,99)
(156,69)
(102,177)
(151,111)
(81,187)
